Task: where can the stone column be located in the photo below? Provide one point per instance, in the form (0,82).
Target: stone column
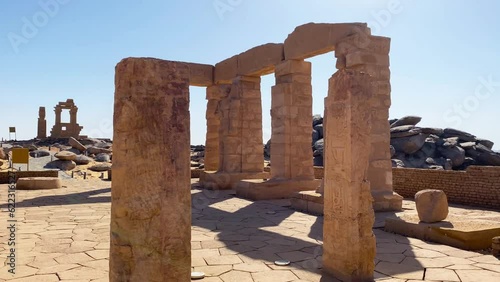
(242,149)
(58,112)
(348,239)
(72,115)
(370,54)
(151,198)
(291,112)
(73,128)
(42,124)
(214,95)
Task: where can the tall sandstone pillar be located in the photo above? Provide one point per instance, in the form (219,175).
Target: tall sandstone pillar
(291,111)
(215,94)
(370,54)
(348,239)
(58,112)
(241,146)
(150,193)
(42,124)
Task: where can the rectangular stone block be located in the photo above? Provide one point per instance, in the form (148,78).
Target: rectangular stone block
(373,44)
(232,163)
(376,72)
(314,39)
(252,167)
(294,78)
(218,92)
(226,71)
(340,63)
(151,106)
(260,60)
(293,67)
(200,74)
(366,58)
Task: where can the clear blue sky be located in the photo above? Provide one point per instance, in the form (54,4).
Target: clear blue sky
(440,53)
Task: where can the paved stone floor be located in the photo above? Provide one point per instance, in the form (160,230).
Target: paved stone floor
(63,235)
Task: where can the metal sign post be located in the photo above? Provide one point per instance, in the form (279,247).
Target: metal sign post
(21,156)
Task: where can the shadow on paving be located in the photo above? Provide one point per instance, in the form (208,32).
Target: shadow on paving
(260,231)
(88,197)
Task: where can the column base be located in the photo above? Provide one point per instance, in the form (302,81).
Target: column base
(214,180)
(387,201)
(312,202)
(255,189)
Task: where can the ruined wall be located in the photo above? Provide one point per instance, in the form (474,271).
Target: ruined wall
(478,186)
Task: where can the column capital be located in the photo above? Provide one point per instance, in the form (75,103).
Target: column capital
(218,91)
(293,67)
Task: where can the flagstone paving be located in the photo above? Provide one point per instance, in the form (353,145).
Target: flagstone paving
(63,235)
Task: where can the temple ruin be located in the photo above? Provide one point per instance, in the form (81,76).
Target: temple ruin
(66,130)
(148,199)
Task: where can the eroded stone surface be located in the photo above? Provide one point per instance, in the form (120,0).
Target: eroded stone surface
(151,107)
(349,243)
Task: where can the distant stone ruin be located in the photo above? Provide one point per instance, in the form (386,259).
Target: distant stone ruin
(60,130)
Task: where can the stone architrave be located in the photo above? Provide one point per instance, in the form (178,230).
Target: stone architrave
(349,242)
(151,198)
(42,124)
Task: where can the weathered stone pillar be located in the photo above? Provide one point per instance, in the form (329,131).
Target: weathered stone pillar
(58,112)
(291,112)
(245,124)
(241,150)
(151,198)
(241,128)
(42,124)
(370,54)
(214,95)
(72,116)
(348,240)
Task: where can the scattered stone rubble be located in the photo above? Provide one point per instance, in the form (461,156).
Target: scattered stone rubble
(424,147)
(72,154)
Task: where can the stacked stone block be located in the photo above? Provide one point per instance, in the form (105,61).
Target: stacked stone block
(349,243)
(370,54)
(215,94)
(240,132)
(291,109)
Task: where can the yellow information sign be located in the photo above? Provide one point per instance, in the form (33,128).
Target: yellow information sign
(12,130)
(21,156)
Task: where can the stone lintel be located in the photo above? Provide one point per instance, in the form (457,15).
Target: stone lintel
(313,39)
(258,61)
(201,74)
